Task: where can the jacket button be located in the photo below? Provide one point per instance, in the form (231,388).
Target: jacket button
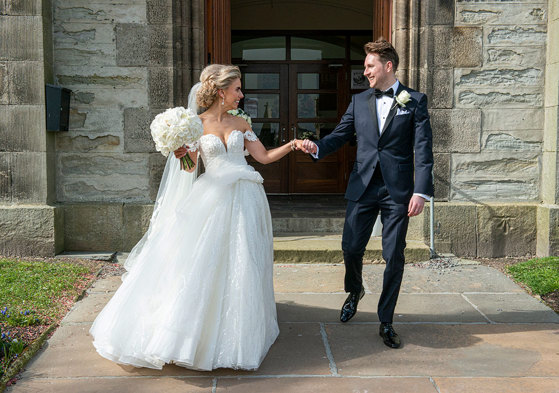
(380,149)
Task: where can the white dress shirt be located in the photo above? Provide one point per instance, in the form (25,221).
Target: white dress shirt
(384,104)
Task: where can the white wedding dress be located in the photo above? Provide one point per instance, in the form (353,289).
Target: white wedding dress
(200,292)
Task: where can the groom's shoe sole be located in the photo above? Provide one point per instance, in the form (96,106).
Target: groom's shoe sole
(349,309)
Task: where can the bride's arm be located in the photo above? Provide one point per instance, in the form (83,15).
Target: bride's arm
(183,151)
(263,156)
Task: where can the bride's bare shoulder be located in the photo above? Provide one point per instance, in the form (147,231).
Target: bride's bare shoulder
(241,124)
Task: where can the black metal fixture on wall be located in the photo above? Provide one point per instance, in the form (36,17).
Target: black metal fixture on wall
(58,107)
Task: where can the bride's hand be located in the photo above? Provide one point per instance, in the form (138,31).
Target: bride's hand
(180,152)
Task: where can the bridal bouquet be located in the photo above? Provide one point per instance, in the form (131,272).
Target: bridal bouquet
(174,128)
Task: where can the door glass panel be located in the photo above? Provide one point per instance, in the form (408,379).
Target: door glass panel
(263,48)
(268,133)
(358,80)
(317,81)
(356,43)
(318,48)
(261,81)
(262,105)
(314,131)
(317,105)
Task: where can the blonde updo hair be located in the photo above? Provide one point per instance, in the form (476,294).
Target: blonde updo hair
(213,78)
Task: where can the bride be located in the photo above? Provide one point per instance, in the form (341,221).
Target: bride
(198,290)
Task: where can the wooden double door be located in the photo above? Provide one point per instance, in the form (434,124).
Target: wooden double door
(298,100)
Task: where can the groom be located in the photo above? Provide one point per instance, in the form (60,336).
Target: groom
(392,174)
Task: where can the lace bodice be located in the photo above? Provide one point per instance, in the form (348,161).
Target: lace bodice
(213,150)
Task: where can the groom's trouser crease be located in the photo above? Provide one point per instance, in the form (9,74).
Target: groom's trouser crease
(360,219)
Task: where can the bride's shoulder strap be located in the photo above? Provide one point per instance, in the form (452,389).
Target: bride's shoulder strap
(250,136)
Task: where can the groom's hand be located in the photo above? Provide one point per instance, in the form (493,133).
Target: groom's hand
(416,205)
(308,146)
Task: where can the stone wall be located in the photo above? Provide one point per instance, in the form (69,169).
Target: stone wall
(27,222)
(483,65)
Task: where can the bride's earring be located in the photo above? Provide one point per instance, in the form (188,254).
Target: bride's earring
(223,101)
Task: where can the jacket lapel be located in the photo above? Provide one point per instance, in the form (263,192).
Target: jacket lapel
(373,107)
(393,110)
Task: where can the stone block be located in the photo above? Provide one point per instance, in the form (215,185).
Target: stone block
(441,51)
(552,85)
(101,54)
(514,119)
(22,128)
(515,56)
(137,135)
(82,35)
(160,86)
(506,230)
(512,140)
(21,7)
(487,97)
(32,230)
(93,227)
(84,143)
(22,38)
(132,45)
(501,77)
(29,182)
(466,45)
(547,230)
(441,174)
(549,176)
(108,97)
(456,130)
(75,11)
(159,12)
(141,45)
(438,12)
(552,42)
(455,228)
(416,228)
(26,83)
(101,77)
(102,177)
(5,177)
(469,14)
(96,120)
(442,94)
(515,35)
(550,134)
(156,167)
(136,223)
(504,176)
(4,84)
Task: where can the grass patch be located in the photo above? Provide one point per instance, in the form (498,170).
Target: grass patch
(541,275)
(33,296)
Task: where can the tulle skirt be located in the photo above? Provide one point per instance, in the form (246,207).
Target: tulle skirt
(200,293)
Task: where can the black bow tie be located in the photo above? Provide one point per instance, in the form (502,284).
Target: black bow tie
(380,93)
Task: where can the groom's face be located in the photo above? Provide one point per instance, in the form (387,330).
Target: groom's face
(377,72)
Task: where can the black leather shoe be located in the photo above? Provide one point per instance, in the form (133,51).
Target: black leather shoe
(389,336)
(350,305)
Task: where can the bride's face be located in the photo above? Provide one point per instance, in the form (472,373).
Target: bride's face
(233,95)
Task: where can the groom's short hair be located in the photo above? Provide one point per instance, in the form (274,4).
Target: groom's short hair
(384,50)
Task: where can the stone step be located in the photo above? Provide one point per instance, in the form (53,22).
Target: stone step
(327,248)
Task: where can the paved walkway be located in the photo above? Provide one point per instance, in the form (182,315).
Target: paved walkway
(465,328)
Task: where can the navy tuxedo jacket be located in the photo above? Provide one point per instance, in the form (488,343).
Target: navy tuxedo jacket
(404,148)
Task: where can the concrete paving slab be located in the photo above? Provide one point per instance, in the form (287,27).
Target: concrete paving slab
(308,278)
(69,353)
(100,256)
(447,350)
(513,308)
(325,385)
(108,284)
(294,307)
(497,385)
(87,309)
(467,278)
(120,385)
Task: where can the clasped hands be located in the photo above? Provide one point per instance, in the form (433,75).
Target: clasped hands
(306,146)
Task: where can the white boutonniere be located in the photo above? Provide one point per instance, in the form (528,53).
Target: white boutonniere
(242,114)
(402,99)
